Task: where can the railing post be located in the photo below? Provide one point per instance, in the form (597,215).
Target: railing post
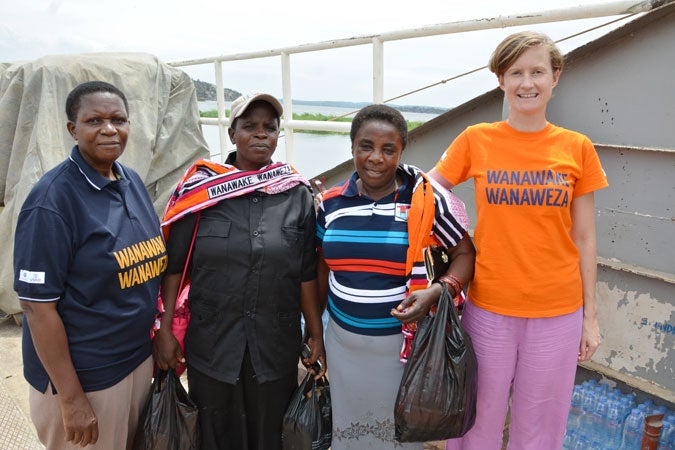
(220,100)
(378,70)
(288,106)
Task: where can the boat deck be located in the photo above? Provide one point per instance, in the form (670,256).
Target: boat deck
(16,429)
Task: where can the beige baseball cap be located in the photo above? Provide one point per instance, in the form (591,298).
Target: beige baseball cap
(239,106)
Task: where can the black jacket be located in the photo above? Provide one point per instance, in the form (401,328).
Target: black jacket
(251,255)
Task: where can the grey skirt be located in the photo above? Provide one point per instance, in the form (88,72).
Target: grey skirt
(364,373)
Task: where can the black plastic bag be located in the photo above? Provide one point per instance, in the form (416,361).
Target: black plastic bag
(308,422)
(437,396)
(169,419)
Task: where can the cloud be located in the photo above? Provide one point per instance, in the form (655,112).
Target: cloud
(54,6)
(177,30)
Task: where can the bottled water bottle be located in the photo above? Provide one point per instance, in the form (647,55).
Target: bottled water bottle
(598,429)
(631,399)
(574,417)
(570,440)
(625,407)
(594,444)
(659,410)
(632,430)
(614,424)
(582,443)
(667,439)
(588,405)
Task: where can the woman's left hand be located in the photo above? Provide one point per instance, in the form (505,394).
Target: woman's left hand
(417,305)
(590,337)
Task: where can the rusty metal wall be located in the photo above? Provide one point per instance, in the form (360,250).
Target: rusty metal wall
(622,95)
(637,327)
(635,215)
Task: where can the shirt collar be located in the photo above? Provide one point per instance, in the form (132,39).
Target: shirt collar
(231,158)
(93,178)
(351,190)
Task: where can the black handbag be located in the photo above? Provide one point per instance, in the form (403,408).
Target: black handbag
(436,261)
(437,396)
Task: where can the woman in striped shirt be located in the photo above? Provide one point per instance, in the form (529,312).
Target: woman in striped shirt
(371,232)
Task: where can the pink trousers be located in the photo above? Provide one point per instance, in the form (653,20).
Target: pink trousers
(535,360)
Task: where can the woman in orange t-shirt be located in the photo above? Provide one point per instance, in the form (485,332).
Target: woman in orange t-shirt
(531,312)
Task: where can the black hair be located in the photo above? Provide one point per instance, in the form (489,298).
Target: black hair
(90,87)
(381,113)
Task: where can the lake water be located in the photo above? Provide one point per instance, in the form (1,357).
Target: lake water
(314,153)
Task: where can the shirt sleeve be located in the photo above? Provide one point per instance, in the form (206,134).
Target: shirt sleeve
(455,163)
(320,225)
(451,221)
(593,176)
(309,258)
(178,245)
(44,248)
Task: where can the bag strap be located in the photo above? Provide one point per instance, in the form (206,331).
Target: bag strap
(192,244)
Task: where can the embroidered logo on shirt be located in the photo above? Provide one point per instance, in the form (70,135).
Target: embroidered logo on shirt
(32,277)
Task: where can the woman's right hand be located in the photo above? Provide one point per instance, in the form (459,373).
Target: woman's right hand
(166,350)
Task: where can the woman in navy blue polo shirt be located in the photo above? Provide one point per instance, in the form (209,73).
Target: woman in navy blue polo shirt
(88,260)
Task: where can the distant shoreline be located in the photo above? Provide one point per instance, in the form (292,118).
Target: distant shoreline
(207,92)
(359,105)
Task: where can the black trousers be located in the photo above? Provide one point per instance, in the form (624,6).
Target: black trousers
(242,416)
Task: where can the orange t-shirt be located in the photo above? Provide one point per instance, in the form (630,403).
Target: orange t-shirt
(526,262)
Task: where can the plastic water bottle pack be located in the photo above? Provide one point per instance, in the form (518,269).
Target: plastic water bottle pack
(602,418)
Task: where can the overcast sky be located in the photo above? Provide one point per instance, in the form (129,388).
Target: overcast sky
(177,30)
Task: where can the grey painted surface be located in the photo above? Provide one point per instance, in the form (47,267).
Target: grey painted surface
(635,214)
(637,318)
(624,92)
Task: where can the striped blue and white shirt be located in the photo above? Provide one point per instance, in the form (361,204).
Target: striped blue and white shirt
(365,245)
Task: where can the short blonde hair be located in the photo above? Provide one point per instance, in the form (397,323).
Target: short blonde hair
(510,49)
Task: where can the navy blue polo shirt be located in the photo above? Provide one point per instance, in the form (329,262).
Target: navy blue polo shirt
(93,246)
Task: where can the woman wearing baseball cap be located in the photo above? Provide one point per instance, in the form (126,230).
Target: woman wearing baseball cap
(253,272)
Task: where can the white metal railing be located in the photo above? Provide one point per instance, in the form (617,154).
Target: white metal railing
(615,8)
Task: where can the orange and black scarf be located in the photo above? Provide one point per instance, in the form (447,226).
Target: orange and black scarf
(433,219)
(206,183)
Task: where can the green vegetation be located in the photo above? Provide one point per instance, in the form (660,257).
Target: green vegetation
(211,113)
(322,118)
(309,116)
(412,124)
